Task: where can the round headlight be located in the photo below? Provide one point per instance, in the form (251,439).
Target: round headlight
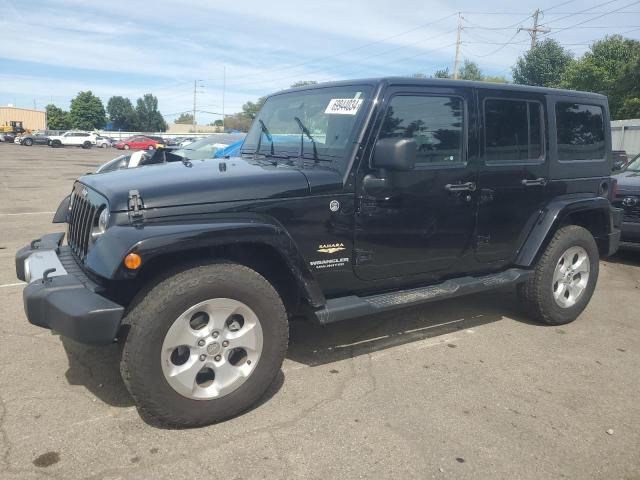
(103,222)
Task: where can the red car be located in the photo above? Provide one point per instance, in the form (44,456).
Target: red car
(137,143)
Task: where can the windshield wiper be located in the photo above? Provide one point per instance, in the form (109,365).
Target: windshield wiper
(305,131)
(264,130)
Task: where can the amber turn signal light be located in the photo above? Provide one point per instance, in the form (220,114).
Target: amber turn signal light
(133,261)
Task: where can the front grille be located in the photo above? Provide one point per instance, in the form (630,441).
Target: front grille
(83,216)
(631,206)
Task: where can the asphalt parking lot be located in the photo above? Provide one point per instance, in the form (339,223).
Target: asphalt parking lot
(460,389)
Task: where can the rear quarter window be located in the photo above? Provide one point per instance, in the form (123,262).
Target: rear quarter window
(580,132)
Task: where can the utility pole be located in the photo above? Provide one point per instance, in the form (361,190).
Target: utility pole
(195,93)
(195,96)
(456,62)
(533,32)
(224,87)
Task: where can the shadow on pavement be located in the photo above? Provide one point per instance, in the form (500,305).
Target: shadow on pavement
(98,368)
(626,257)
(313,344)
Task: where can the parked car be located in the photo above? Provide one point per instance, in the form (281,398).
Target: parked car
(137,142)
(620,159)
(73,139)
(348,199)
(628,198)
(229,151)
(104,142)
(206,147)
(7,137)
(36,138)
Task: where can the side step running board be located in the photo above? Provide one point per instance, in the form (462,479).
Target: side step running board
(344,308)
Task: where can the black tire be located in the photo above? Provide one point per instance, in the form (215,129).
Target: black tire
(537,292)
(27,142)
(56,144)
(155,311)
(86,145)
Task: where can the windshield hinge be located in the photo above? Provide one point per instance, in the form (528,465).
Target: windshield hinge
(135,206)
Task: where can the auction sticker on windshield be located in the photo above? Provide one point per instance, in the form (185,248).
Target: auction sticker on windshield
(343,106)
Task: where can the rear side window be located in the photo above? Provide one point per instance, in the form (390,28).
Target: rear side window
(513,130)
(436,124)
(580,131)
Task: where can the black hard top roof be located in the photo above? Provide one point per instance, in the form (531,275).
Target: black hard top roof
(443,82)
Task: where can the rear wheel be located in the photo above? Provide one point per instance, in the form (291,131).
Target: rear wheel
(564,278)
(86,145)
(204,344)
(126,147)
(27,142)
(56,144)
(150,147)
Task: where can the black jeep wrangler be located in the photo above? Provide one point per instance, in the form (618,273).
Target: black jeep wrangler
(348,198)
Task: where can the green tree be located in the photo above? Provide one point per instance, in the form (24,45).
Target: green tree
(543,65)
(122,114)
(251,109)
(442,73)
(218,123)
(57,119)
(470,71)
(87,111)
(495,79)
(185,118)
(611,67)
(149,117)
(303,83)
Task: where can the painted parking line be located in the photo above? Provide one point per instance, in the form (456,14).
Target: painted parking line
(25,213)
(6,285)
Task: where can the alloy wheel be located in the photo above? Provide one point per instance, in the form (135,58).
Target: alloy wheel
(211,349)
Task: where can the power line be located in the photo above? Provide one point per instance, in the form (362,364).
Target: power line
(533,32)
(333,55)
(582,11)
(594,18)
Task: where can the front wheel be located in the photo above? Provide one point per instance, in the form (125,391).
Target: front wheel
(150,147)
(86,145)
(564,278)
(204,344)
(126,147)
(27,142)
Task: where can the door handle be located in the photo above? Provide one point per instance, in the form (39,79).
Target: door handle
(532,183)
(461,187)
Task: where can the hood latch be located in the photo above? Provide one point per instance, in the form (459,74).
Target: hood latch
(136,206)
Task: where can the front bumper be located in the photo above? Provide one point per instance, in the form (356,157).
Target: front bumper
(65,299)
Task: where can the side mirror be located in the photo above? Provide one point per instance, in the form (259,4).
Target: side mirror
(395,154)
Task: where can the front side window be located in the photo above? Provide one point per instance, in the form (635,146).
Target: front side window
(291,123)
(436,123)
(580,130)
(513,130)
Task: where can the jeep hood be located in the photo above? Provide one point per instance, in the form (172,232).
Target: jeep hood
(628,181)
(202,181)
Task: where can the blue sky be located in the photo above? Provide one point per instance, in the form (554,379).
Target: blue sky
(52,49)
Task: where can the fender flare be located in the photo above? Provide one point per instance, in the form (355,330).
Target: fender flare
(552,216)
(156,239)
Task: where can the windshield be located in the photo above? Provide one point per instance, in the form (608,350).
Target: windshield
(634,165)
(328,117)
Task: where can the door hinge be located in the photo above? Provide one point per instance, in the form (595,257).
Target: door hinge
(136,206)
(362,257)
